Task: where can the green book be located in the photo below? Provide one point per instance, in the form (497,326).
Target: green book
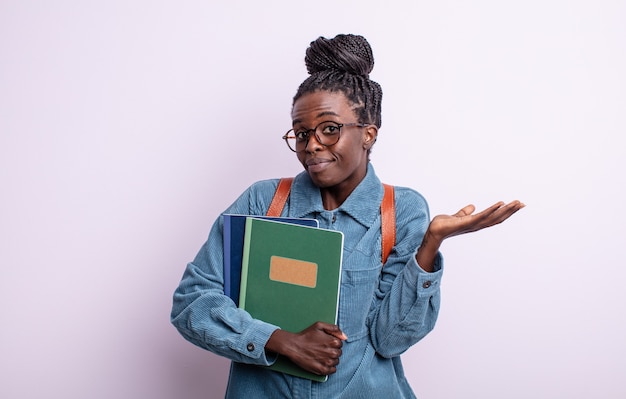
(290,277)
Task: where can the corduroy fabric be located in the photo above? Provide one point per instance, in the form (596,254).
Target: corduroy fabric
(383,311)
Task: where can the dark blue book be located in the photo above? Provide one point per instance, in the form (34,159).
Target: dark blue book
(234,232)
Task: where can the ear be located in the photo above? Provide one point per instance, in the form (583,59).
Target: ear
(369,136)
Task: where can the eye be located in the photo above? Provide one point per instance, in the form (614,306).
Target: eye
(301,135)
(330,129)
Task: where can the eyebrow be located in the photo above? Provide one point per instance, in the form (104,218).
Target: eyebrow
(324,113)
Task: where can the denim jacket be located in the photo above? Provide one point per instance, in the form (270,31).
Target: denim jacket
(382,310)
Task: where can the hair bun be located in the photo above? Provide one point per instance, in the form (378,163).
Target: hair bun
(346,53)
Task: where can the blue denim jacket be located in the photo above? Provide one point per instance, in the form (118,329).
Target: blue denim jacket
(382,310)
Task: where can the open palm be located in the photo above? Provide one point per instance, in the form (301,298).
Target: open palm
(466,221)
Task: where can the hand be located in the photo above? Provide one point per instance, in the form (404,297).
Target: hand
(464,221)
(316,349)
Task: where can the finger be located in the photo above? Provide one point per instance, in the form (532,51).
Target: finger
(339,335)
(335,332)
(498,206)
(501,214)
(493,215)
(511,207)
(332,362)
(508,210)
(467,210)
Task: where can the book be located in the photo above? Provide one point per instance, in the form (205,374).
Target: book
(290,277)
(234,228)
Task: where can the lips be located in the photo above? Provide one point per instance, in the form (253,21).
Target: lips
(317,164)
(316,161)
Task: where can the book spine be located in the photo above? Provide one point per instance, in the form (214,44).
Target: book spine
(244,264)
(226,241)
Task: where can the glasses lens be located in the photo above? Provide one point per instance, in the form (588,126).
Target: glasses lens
(327,133)
(291,140)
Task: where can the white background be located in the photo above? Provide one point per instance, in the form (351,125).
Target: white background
(127,126)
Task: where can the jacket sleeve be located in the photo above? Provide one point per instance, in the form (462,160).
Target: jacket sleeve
(203,314)
(406,302)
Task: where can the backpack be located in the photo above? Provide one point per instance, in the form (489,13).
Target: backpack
(387,212)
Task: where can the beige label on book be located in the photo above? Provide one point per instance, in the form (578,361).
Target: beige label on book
(293,271)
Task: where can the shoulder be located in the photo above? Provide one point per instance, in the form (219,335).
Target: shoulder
(409,200)
(263,191)
(264,186)
(412,218)
(255,199)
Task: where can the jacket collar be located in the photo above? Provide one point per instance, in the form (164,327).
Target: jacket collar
(363,204)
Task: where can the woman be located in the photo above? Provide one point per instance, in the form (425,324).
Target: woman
(382,310)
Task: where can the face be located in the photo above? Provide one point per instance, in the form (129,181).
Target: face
(340,166)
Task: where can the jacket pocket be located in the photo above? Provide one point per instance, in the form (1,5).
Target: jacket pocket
(356,297)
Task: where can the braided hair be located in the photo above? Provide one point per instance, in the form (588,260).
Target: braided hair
(343,64)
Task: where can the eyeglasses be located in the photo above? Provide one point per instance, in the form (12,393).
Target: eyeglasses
(326,133)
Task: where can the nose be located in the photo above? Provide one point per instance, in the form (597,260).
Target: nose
(312,144)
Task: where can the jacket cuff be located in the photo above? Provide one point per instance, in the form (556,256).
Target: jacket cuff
(253,343)
(426,284)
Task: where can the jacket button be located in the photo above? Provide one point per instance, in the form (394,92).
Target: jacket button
(427,284)
(250,347)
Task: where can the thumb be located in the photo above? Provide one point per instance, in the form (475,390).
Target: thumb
(335,332)
(467,210)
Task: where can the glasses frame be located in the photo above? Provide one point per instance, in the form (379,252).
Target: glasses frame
(286,137)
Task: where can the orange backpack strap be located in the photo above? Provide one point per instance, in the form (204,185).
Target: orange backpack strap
(388,221)
(280,197)
(387,212)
